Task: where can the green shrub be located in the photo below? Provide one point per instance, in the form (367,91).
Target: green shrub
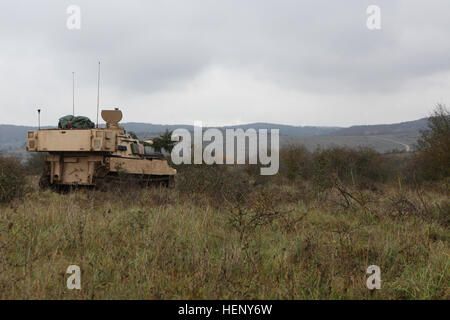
(432,159)
(35,163)
(217,184)
(356,166)
(295,162)
(164,141)
(12,179)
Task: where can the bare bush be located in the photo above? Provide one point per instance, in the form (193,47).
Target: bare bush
(260,209)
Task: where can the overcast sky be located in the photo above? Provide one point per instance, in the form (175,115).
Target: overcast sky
(226,62)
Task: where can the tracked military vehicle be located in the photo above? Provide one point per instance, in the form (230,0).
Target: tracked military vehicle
(98,156)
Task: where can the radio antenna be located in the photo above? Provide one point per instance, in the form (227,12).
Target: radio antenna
(98,92)
(73,94)
(39,119)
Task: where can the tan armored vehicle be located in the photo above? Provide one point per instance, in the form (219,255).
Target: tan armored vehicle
(96,156)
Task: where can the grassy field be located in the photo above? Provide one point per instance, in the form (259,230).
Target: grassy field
(274,240)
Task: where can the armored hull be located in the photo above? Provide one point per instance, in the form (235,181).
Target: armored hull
(91,157)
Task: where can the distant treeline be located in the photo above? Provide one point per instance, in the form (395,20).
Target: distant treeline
(360,167)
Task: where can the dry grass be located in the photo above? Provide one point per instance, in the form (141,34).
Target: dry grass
(281,241)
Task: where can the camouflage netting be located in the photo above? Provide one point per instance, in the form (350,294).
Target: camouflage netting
(71,122)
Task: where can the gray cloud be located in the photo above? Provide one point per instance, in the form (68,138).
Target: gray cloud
(296,62)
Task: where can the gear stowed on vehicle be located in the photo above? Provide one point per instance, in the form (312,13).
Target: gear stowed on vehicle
(82,155)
